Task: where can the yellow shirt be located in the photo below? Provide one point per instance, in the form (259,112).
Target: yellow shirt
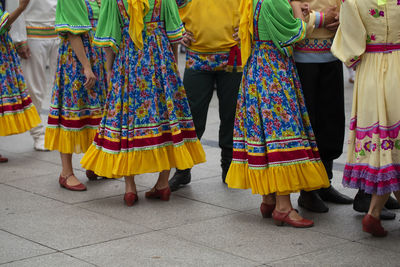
(212,23)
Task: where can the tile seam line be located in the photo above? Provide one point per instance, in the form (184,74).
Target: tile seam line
(156,229)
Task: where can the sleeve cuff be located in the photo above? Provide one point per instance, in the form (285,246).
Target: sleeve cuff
(319,19)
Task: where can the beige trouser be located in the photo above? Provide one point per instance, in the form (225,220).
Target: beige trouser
(44,52)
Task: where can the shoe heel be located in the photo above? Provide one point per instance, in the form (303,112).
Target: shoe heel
(265,216)
(165,198)
(278,223)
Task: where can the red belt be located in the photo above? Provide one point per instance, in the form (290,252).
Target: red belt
(382,48)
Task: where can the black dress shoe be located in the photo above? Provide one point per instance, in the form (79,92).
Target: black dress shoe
(181,177)
(312,201)
(361,204)
(330,194)
(392,204)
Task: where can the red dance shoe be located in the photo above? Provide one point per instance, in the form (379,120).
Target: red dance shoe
(63,183)
(130,199)
(266,210)
(91,175)
(3,159)
(162,194)
(283,217)
(373,226)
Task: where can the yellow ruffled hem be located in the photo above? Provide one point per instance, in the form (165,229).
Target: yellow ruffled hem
(282,180)
(144,161)
(69,142)
(19,122)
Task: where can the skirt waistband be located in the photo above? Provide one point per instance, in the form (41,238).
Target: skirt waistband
(382,48)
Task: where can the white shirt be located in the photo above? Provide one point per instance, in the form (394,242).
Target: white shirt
(39,14)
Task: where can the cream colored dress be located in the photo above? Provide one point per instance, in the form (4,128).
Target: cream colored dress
(369,38)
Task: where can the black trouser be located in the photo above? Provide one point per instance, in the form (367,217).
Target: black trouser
(323,90)
(199,86)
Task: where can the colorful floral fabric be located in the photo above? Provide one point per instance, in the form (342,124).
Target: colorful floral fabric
(206,61)
(17,113)
(147,125)
(75,112)
(274,146)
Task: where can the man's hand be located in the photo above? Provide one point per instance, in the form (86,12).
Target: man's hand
(333,26)
(331,15)
(305,8)
(188,39)
(24,52)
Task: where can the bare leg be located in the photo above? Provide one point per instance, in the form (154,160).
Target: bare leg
(269,199)
(162,181)
(66,162)
(130,185)
(283,204)
(377,204)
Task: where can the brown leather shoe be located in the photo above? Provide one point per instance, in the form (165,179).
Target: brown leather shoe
(63,183)
(283,217)
(130,199)
(266,210)
(373,226)
(162,194)
(3,159)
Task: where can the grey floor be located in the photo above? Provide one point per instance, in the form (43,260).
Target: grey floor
(204,224)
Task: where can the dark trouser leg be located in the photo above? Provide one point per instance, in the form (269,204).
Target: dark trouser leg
(228,84)
(323,90)
(199,86)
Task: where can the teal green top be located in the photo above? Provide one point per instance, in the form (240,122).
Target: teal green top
(277,23)
(109,30)
(75,18)
(3,20)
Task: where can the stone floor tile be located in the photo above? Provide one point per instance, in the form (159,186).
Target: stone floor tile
(348,254)
(14,248)
(68,227)
(19,167)
(389,243)
(19,143)
(15,201)
(254,238)
(50,260)
(213,191)
(157,214)
(48,186)
(156,249)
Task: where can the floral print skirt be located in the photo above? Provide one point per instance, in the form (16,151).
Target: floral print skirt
(147,124)
(75,112)
(17,113)
(373,159)
(274,148)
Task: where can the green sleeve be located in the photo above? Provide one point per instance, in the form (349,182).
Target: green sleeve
(277,22)
(3,21)
(108,32)
(72,18)
(173,23)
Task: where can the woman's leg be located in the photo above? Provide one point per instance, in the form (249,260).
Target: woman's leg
(284,205)
(162,181)
(377,204)
(67,170)
(269,199)
(130,186)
